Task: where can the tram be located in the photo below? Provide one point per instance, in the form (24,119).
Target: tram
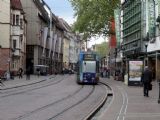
(88,68)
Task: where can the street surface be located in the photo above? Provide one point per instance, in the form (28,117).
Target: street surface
(58,98)
(129,103)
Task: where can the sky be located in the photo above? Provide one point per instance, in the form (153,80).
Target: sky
(63,9)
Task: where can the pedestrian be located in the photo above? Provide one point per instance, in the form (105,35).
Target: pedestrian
(101,71)
(7,75)
(146,79)
(20,73)
(104,72)
(28,73)
(38,72)
(117,73)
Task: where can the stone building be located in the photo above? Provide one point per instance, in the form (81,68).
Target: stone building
(5,42)
(18,36)
(13,40)
(44,37)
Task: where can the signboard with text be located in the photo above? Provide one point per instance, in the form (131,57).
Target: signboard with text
(89,57)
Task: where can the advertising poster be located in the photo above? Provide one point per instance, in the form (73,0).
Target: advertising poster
(135,71)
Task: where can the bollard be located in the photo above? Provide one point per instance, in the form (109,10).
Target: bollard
(159,93)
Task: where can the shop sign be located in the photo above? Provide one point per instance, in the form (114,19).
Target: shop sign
(151,19)
(117,26)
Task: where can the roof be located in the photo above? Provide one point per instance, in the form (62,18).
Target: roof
(16,4)
(40,5)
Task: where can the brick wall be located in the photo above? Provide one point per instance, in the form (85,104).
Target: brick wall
(4,57)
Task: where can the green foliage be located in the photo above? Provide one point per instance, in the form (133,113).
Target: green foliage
(93,16)
(102,49)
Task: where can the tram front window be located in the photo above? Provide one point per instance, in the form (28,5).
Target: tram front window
(89,66)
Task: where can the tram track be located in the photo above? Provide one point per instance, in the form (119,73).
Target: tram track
(97,109)
(64,99)
(93,110)
(19,90)
(77,103)
(48,105)
(66,104)
(33,83)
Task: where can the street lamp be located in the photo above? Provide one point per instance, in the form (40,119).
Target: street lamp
(115,53)
(0,49)
(159,92)
(108,60)
(146,45)
(158,80)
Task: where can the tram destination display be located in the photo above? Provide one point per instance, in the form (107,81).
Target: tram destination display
(89,57)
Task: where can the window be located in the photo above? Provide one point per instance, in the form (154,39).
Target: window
(14,44)
(13,19)
(17,19)
(89,66)
(21,37)
(21,23)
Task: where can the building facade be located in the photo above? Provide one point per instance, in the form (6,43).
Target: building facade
(141,32)
(5,28)
(44,37)
(132,28)
(18,36)
(13,40)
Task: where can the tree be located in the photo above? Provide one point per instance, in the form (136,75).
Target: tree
(102,49)
(93,16)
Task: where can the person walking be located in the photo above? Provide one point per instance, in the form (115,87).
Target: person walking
(146,79)
(20,72)
(38,72)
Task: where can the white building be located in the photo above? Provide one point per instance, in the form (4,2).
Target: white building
(13,36)
(18,36)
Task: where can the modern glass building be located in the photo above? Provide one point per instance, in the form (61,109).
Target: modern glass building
(132,28)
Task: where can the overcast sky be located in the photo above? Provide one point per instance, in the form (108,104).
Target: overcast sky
(62,8)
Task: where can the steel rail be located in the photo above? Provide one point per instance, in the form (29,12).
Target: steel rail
(30,89)
(96,108)
(77,103)
(49,105)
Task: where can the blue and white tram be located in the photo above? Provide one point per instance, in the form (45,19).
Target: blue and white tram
(88,68)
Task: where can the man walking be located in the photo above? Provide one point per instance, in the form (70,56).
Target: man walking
(146,80)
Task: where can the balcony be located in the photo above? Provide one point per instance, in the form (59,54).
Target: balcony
(16,30)
(16,52)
